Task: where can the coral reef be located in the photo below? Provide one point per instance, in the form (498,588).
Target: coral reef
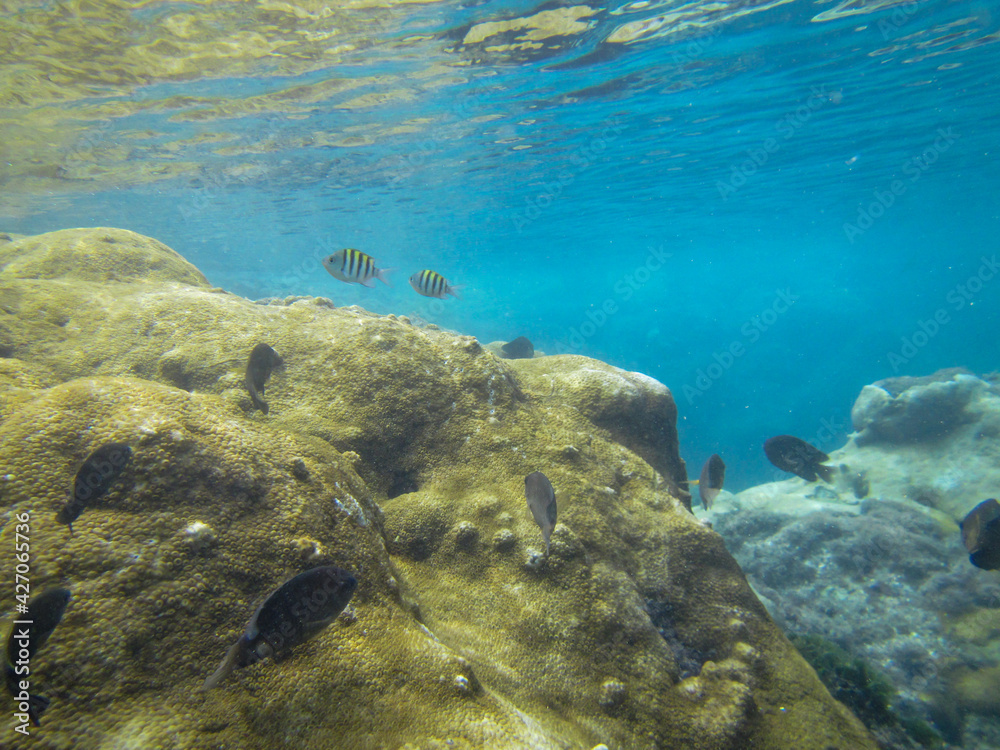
(393,450)
(886,577)
(915,410)
(636,410)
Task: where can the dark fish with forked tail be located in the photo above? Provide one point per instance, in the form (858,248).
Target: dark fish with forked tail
(542,502)
(519,348)
(295,611)
(795,455)
(263,359)
(99,471)
(28,634)
(981,535)
(713,474)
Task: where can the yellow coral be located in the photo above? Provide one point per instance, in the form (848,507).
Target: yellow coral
(637,630)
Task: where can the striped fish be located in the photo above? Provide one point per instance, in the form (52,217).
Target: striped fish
(432,284)
(355,267)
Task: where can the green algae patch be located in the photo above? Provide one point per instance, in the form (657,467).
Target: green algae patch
(866,691)
(399,453)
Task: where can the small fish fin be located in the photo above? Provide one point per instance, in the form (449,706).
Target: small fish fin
(454,290)
(36,707)
(708,496)
(370,283)
(226,668)
(313,627)
(826,473)
(383,275)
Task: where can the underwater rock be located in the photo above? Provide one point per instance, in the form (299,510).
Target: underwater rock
(397,451)
(636,410)
(887,578)
(918,412)
(96,255)
(890,585)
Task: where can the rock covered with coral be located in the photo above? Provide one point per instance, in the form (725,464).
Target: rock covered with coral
(909,410)
(885,575)
(398,452)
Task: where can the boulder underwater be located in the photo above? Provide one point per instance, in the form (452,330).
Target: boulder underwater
(395,452)
(882,572)
(906,410)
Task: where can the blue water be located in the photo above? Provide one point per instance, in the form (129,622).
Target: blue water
(681,205)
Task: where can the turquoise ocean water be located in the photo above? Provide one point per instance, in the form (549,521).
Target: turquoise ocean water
(763,205)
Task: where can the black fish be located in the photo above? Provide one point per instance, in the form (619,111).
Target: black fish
(713,474)
(798,457)
(263,359)
(94,479)
(295,611)
(981,535)
(28,634)
(519,348)
(542,502)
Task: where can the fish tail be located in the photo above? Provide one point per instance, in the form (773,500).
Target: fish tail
(825,472)
(382,275)
(226,668)
(36,707)
(257,401)
(454,290)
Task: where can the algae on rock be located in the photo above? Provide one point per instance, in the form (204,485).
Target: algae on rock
(400,453)
(887,577)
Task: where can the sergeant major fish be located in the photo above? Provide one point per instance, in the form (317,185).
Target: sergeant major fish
(542,502)
(28,634)
(263,359)
(432,284)
(93,480)
(355,267)
(298,609)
